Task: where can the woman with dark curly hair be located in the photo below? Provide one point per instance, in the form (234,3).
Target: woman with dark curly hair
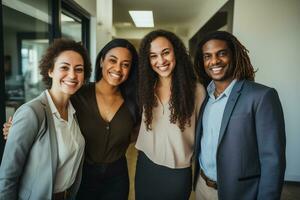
(107,114)
(44,150)
(170,99)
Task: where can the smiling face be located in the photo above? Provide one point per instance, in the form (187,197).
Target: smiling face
(217,59)
(116,66)
(162,57)
(67,73)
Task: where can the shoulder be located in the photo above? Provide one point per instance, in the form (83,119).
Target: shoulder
(254,88)
(37,104)
(86,88)
(200,92)
(83,92)
(258,94)
(27,120)
(33,110)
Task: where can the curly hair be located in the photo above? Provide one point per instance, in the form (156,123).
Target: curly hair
(241,67)
(58,46)
(183,83)
(129,87)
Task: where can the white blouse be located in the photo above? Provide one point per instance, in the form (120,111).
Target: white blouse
(70,144)
(165,144)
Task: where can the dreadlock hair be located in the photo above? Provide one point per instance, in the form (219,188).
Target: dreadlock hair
(183,83)
(241,67)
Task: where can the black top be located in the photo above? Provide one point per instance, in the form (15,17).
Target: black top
(106,141)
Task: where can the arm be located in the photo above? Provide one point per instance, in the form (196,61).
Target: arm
(271,142)
(135,133)
(17,148)
(6,127)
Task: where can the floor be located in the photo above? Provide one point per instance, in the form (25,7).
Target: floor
(291,190)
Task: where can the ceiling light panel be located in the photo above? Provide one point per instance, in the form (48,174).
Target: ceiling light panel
(142,18)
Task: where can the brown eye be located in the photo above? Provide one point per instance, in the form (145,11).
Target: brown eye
(79,70)
(206,57)
(112,61)
(166,53)
(64,68)
(222,53)
(153,56)
(126,65)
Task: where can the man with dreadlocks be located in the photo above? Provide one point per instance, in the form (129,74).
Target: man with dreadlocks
(240,137)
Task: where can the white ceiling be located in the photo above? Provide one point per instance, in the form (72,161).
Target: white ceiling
(166,13)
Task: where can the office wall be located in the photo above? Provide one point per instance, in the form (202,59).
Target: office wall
(104,22)
(270,29)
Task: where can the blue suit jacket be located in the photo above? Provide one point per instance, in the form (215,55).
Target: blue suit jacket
(251,147)
(30,159)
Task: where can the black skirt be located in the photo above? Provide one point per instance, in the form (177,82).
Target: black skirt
(104,181)
(158,182)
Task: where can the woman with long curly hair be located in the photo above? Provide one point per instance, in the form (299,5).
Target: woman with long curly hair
(170,99)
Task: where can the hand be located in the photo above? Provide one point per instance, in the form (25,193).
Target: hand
(6,127)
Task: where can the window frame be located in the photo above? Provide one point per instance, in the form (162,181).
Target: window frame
(55,9)
(71,7)
(2,82)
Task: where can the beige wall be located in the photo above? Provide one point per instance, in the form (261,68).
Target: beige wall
(270,29)
(91,7)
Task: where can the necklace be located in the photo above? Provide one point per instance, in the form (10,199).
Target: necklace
(108,106)
(217,93)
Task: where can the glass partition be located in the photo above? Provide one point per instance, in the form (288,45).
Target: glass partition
(26,36)
(71,27)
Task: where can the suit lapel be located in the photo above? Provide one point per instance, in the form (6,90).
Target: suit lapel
(199,127)
(52,135)
(233,97)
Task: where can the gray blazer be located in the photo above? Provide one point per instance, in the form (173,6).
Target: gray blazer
(251,148)
(30,157)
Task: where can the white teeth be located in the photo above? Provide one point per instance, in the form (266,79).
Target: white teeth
(216,69)
(114,75)
(163,68)
(70,83)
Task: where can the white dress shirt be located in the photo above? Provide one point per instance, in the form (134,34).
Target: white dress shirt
(211,121)
(70,144)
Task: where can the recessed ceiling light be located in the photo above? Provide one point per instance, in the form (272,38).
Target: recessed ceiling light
(142,18)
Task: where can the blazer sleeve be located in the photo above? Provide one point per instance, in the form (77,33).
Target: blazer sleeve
(271,140)
(17,148)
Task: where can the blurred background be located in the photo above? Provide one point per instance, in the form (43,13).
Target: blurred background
(269,29)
